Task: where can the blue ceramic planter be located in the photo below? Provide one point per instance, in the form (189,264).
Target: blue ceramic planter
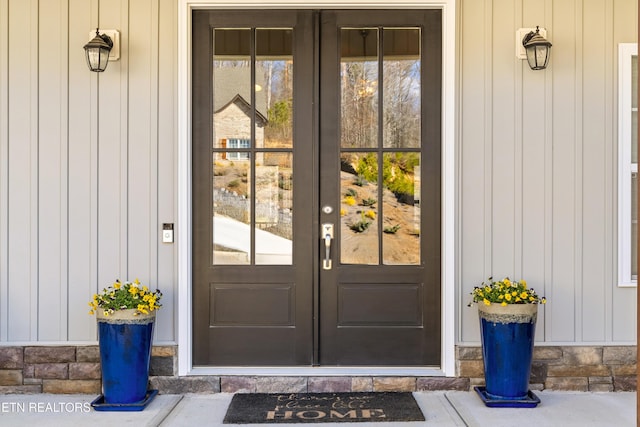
(508,334)
(125,354)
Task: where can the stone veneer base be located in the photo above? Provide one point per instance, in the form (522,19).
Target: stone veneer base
(76,369)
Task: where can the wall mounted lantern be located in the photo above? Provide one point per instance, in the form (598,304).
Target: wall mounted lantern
(536,48)
(101,49)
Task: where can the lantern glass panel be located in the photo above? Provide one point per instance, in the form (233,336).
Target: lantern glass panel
(97,58)
(538,56)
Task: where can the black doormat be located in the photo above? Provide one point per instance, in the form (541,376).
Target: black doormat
(262,408)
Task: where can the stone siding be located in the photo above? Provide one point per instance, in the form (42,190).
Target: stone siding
(71,369)
(65,369)
(573,368)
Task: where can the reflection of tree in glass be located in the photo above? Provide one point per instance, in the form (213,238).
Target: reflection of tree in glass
(400,108)
(278,76)
(401,112)
(359,115)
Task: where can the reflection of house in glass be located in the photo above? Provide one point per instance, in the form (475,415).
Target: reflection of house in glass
(233,112)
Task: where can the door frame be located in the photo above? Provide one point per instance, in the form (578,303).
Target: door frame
(184,199)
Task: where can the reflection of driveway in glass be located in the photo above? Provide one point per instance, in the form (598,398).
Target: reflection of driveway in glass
(236,235)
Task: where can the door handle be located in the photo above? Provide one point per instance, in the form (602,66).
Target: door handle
(327,235)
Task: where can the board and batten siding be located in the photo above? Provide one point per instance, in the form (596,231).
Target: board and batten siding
(87,163)
(537,164)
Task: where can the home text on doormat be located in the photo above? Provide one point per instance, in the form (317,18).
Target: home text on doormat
(322,407)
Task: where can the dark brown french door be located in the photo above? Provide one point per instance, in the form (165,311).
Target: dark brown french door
(316,188)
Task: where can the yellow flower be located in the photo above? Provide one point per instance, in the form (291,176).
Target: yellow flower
(486,302)
(505,292)
(350,200)
(125,295)
(503,303)
(370,214)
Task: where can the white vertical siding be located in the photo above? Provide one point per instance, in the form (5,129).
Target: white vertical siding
(52,170)
(86,163)
(537,163)
(166,276)
(563,284)
(112,150)
(596,176)
(624,29)
(143,57)
(475,162)
(502,139)
(532,124)
(4,169)
(82,176)
(22,158)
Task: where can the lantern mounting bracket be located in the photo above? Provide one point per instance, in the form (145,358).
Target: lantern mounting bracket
(520,34)
(114,35)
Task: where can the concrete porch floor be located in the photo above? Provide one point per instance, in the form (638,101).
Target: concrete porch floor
(442,408)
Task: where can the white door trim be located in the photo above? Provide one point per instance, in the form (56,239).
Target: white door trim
(184,226)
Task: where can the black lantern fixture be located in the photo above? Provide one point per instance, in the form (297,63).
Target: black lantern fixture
(537,49)
(97,52)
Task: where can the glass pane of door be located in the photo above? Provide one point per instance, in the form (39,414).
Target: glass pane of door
(252,146)
(380,145)
(401,86)
(359,87)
